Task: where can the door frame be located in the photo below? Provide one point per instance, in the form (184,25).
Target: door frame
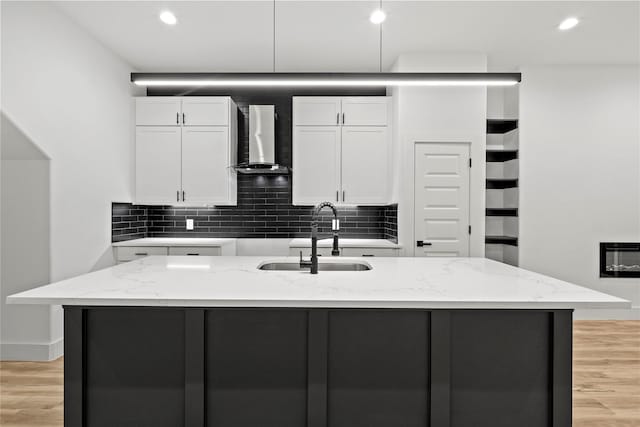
(413,187)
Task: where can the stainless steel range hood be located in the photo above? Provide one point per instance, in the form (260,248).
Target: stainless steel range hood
(262,142)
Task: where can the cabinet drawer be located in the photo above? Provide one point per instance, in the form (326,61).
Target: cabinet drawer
(129,253)
(363,252)
(195,251)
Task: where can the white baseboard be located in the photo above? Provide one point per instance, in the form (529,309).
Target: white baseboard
(632,313)
(32,352)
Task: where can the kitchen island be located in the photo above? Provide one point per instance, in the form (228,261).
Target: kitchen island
(214,341)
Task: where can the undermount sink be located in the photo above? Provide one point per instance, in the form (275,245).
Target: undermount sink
(322,266)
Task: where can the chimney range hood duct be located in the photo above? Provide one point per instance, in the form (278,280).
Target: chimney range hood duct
(262,142)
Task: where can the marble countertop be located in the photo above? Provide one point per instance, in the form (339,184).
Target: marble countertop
(345,243)
(394,282)
(175,241)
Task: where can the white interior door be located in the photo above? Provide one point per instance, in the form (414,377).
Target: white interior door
(365,111)
(205,111)
(316,164)
(441,199)
(205,164)
(365,165)
(158,111)
(157,165)
(316,111)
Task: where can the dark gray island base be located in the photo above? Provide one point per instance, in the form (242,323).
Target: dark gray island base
(241,367)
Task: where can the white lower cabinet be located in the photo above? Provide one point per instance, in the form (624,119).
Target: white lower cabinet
(195,251)
(368,252)
(131,253)
(347,252)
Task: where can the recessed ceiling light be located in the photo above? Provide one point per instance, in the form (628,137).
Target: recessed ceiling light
(568,24)
(168,18)
(378,16)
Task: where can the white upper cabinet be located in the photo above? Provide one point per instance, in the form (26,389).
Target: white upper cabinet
(365,111)
(365,165)
(158,111)
(205,160)
(316,111)
(345,158)
(205,111)
(316,160)
(188,163)
(158,170)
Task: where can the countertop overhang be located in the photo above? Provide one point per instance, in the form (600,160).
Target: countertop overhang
(394,282)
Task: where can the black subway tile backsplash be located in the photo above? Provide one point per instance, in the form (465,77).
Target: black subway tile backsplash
(264,211)
(128,222)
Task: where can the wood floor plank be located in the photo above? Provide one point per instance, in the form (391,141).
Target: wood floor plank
(606,381)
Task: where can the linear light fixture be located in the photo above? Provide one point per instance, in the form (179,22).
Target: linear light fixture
(324,79)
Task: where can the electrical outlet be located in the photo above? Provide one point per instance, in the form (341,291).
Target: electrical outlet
(189,224)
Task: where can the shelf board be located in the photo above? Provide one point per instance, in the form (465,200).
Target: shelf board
(501,240)
(501,155)
(500,126)
(502,211)
(501,183)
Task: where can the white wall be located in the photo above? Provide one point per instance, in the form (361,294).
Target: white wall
(439,114)
(71,97)
(25,245)
(579,172)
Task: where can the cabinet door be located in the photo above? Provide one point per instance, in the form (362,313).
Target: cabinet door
(377,369)
(365,111)
(365,165)
(205,111)
(255,368)
(158,111)
(205,164)
(157,165)
(316,111)
(316,164)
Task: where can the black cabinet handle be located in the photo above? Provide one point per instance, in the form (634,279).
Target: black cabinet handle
(337,118)
(368,255)
(421,243)
(178,196)
(183,121)
(183,195)
(342,118)
(141,254)
(193,254)
(177,118)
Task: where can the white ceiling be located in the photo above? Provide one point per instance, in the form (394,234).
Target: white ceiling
(337,35)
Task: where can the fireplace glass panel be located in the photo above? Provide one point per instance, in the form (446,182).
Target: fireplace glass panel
(619,259)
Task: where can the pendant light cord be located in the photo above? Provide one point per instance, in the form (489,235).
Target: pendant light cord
(380,42)
(274,36)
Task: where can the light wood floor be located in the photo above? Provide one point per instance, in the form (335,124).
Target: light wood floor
(606,376)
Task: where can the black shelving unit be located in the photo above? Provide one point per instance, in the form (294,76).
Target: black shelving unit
(501,183)
(501,155)
(501,212)
(499,126)
(501,240)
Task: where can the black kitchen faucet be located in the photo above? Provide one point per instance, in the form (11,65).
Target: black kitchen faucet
(335,227)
